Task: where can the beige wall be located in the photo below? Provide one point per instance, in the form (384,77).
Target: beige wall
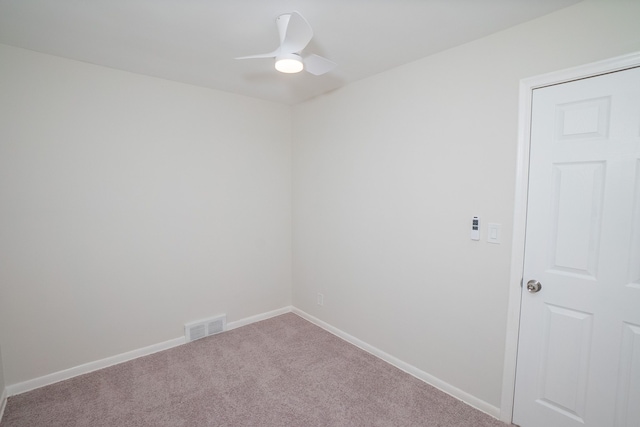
(131,205)
(388,173)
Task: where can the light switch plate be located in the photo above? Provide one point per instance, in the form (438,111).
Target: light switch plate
(493,233)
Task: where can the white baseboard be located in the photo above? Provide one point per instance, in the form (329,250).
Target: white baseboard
(66,374)
(258,318)
(3,402)
(410,369)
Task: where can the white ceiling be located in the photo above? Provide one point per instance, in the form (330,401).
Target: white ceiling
(195,41)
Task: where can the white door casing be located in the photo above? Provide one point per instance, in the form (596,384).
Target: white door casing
(579,348)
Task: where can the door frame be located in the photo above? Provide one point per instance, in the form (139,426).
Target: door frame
(520,205)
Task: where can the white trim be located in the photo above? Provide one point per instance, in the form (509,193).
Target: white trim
(520,209)
(124,357)
(410,369)
(258,318)
(3,402)
(66,374)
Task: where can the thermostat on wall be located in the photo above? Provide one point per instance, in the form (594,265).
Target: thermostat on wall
(475,228)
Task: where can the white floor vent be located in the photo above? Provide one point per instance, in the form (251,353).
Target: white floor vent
(203,328)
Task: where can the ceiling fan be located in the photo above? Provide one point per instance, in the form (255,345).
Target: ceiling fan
(295,34)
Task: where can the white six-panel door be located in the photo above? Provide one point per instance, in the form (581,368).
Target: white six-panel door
(579,344)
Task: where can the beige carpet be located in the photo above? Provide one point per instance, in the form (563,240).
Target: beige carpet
(283,371)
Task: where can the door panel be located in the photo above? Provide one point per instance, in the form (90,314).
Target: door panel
(579,343)
(576,217)
(634,251)
(565,360)
(628,395)
(583,120)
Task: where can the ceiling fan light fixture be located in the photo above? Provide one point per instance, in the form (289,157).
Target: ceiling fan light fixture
(289,63)
(295,34)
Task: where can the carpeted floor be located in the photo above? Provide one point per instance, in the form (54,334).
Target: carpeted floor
(283,371)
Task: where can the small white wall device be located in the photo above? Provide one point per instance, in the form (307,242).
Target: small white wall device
(493,233)
(475,228)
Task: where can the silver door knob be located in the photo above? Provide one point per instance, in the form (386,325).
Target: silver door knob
(534,286)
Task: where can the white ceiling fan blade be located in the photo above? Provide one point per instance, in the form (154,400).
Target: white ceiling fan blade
(297,35)
(262,55)
(318,65)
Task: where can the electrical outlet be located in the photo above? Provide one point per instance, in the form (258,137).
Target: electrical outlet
(320,299)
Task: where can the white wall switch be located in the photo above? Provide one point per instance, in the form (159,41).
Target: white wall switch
(493,233)
(475,228)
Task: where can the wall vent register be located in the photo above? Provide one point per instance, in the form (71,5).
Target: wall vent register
(204,328)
